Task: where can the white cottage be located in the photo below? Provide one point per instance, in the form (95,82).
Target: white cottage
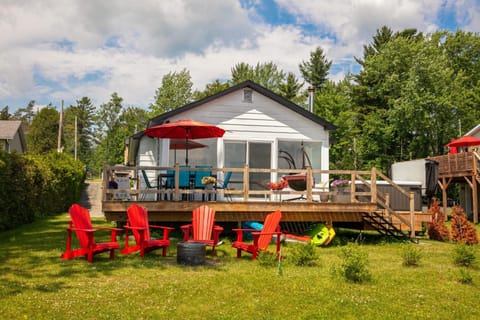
(263,130)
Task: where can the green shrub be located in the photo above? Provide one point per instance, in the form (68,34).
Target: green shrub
(465,277)
(411,255)
(267,259)
(16,189)
(302,254)
(62,180)
(464,255)
(33,186)
(354,267)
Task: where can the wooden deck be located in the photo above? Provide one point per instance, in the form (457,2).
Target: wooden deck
(245,211)
(459,168)
(254,205)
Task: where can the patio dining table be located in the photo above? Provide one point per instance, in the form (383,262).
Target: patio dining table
(162,183)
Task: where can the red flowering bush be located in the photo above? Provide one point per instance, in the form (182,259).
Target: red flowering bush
(462,229)
(437,230)
(278,185)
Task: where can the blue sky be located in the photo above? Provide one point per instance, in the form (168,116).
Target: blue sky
(54,50)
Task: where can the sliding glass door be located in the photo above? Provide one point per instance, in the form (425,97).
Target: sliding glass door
(256,155)
(259,157)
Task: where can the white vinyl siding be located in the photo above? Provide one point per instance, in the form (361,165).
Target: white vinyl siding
(263,120)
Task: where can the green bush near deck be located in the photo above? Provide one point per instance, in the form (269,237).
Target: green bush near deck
(411,255)
(464,255)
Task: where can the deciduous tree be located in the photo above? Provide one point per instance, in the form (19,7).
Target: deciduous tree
(175,91)
(42,136)
(265,74)
(111,141)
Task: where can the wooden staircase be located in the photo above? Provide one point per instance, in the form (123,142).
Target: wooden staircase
(381,219)
(379,222)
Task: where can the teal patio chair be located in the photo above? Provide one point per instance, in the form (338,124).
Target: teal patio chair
(148,185)
(223,185)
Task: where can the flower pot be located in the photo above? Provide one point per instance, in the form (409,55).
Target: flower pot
(209,186)
(341,194)
(324,197)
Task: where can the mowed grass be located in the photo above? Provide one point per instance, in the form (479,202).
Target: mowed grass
(36,284)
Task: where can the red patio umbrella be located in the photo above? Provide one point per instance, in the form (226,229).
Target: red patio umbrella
(188,129)
(180,144)
(464,141)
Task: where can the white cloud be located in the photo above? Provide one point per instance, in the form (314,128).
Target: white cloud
(52,50)
(356,21)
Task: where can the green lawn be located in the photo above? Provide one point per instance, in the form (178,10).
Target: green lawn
(36,284)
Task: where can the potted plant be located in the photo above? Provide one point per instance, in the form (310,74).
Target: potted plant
(278,185)
(324,196)
(208,181)
(342,190)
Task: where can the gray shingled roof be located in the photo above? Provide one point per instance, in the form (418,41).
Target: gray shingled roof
(8,128)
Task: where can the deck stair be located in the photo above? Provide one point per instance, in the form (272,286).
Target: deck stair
(381,219)
(379,222)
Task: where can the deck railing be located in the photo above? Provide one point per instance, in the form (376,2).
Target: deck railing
(363,190)
(457,164)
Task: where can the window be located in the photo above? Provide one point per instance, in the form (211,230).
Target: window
(197,156)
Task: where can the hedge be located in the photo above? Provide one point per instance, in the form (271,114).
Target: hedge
(34,186)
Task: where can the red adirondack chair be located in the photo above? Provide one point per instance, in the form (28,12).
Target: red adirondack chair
(202,227)
(80,223)
(261,239)
(137,222)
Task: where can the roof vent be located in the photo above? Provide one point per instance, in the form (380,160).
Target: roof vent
(248,95)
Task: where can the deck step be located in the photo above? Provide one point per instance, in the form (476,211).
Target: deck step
(385,227)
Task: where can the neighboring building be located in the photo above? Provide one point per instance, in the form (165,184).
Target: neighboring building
(459,169)
(475,132)
(12,137)
(261,129)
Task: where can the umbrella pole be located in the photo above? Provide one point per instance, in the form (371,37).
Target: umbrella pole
(186,147)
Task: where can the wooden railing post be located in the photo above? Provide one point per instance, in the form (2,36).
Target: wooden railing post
(353,178)
(246,182)
(309,184)
(412,215)
(105,177)
(373,186)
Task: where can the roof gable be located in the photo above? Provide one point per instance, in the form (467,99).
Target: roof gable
(246,84)
(474,131)
(8,128)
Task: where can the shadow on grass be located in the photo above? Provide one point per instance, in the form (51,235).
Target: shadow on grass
(30,258)
(365,237)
